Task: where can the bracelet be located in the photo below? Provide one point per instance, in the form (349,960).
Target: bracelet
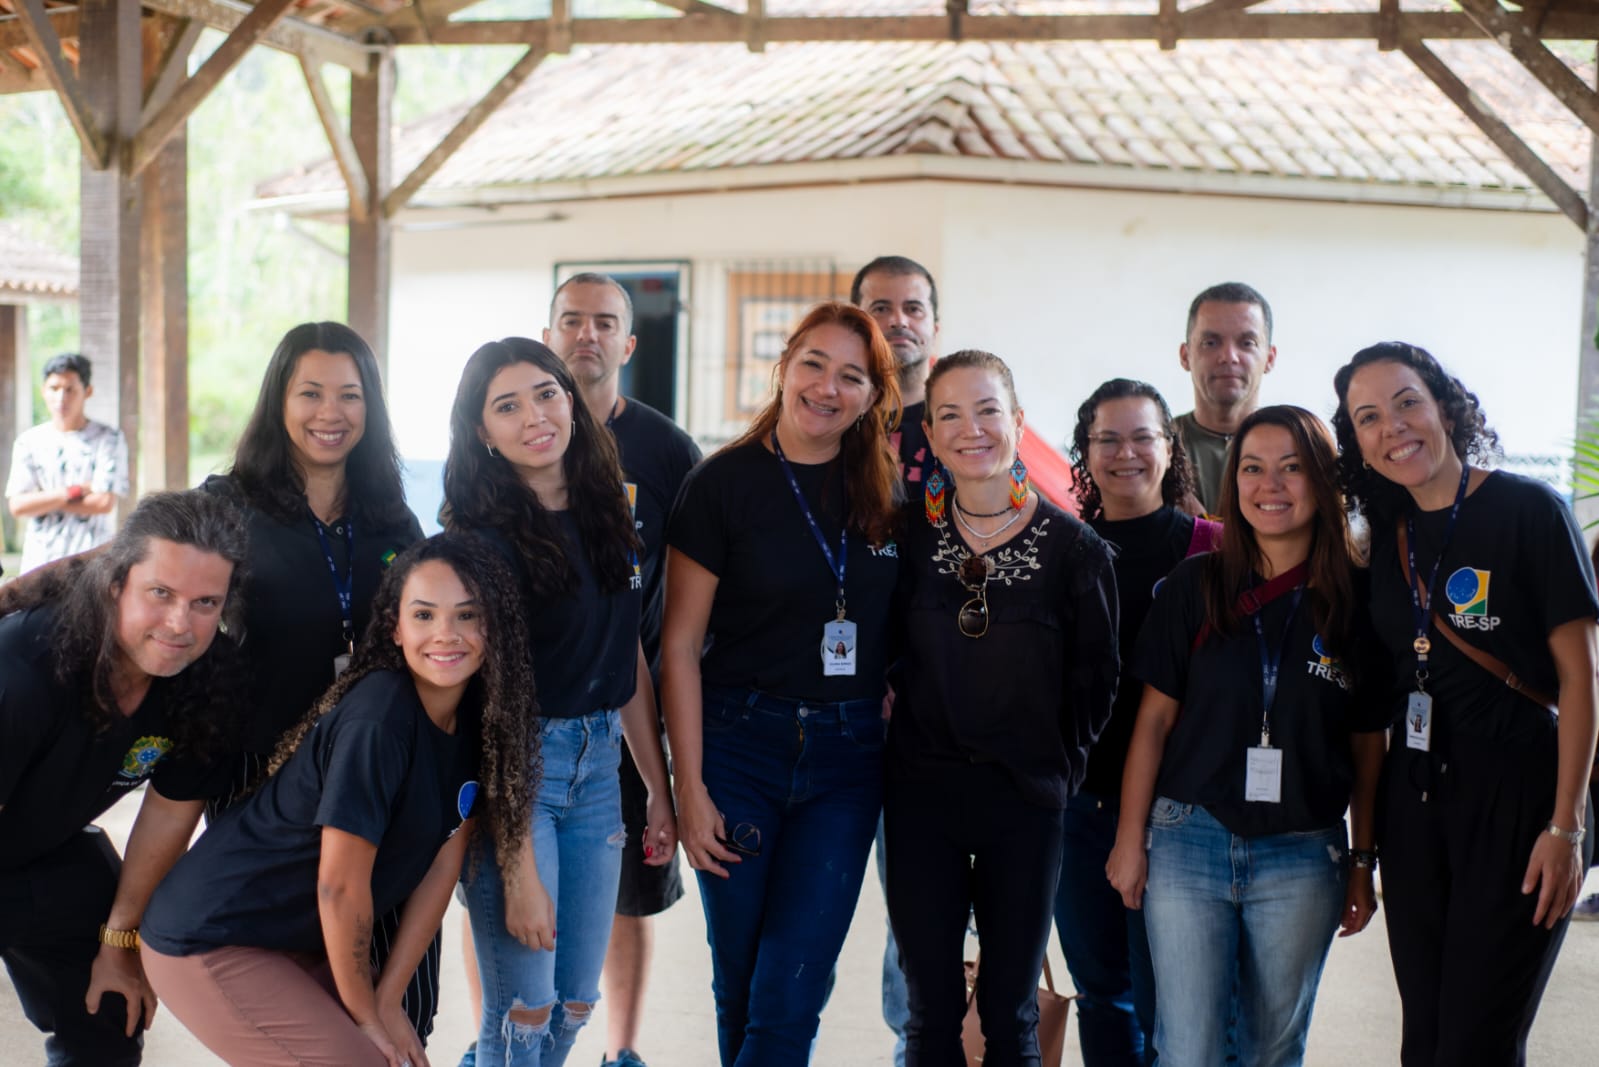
(1363,857)
(1571,837)
(76,493)
(128,939)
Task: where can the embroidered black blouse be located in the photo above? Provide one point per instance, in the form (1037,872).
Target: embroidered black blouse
(1034,691)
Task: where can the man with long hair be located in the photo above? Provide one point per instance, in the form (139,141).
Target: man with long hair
(110,677)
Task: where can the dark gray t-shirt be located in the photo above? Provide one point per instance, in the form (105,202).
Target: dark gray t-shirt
(1207,451)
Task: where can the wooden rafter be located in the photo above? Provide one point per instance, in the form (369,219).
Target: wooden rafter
(1521,40)
(1216,7)
(698,7)
(14,31)
(189,95)
(1519,152)
(475,116)
(46,44)
(1166,19)
(560,41)
(287,35)
(344,154)
(171,67)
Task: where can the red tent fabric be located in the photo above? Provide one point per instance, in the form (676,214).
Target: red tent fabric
(1048,470)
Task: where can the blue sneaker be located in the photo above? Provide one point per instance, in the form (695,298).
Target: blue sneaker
(625,1058)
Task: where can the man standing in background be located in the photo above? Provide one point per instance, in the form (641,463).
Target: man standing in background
(1227,351)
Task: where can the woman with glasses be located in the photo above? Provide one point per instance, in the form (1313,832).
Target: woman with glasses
(1475,575)
(781,551)
(1008,675)
(1131,476)
(1262,720)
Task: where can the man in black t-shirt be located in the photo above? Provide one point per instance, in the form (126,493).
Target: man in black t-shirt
(591,329)
(901,295)
(110,677)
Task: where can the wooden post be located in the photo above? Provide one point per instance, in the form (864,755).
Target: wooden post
(1588,354)
(109,42)
(13,360)
(371,127)
(164,288)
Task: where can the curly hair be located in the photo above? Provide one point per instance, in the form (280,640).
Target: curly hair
(503,686)
(263,463)
(203,699)
(1228,570)
(1178,483)
(1380,499)
(483,491)
(871,469)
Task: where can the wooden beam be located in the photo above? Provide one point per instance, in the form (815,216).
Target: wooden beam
(370,264)
(1166,24)
(1520,153)
(1217,7)
(14,31)
(165,122)
(289,35)
(13,379)
(698,7)
(469,123)
(16,78)
(755,25)
(1522,41)
(171,67)
(1587,502)
(46,44)
(560,27)
(1260,26)
(1388,26)
(344,154)
(164,319)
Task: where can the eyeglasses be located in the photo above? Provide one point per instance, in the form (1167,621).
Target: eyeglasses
(1111,443)
(973,615)
(745,839)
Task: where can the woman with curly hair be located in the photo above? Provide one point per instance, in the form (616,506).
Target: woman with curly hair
(1131,476)
(1484,597)
(533,471)
(259,940)
(781,550)
(1008,675)
(1261,722)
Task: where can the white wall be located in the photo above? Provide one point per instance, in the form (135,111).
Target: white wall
(1070,286)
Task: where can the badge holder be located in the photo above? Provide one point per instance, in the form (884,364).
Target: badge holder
(1263,773)
(838,647)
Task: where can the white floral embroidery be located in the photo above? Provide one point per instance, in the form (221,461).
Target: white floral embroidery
(1009,564)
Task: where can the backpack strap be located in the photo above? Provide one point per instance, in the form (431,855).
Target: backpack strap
(1206,537)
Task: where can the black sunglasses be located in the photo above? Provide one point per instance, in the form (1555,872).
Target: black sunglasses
(973,615)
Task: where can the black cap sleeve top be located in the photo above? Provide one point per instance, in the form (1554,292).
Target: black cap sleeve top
(1323,695)
(57,772)
(293,627)
(1514,569)
(375,766)
(1034,691)
(737,518)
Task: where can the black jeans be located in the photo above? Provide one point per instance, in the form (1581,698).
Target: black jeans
(50,916)
(969,842)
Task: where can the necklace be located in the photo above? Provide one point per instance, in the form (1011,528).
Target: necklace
(980,535)
(985,514)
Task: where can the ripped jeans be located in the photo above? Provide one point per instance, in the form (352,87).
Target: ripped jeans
(577,845)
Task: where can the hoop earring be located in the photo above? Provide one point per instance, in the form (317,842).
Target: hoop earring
(1018,483)
(933,496)
(492,454)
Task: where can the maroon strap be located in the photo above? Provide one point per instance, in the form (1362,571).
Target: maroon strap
(1487,661)
(1206,538)
(1253,600)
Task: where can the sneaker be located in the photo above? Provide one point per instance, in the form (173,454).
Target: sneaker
(1586,909)
(625,1058)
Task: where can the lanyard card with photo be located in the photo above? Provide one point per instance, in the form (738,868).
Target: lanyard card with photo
(838,648)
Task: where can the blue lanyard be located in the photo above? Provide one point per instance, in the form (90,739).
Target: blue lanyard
(1419,607)
(632,553)
(344,586)
(1271,662)
(836,565)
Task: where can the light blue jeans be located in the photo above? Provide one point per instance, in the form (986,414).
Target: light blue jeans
(577,846)
(1223,911)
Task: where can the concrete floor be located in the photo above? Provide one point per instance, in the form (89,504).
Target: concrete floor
(1357,1012)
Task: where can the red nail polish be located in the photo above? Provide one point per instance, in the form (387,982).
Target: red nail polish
(648,852)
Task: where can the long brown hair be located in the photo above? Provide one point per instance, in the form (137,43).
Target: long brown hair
(871,472)
(1229,570)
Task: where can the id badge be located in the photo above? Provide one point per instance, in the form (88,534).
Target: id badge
(1418,722)
(341,663)
(838,648)
(1263,776)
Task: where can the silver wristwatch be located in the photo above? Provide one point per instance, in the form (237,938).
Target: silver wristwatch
(1573,837)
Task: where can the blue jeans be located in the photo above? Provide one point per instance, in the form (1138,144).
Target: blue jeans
(577,845)
(896,1006)
(1103,941)
(808,780)
(1252,913)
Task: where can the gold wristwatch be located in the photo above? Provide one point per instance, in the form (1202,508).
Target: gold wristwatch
(128,939)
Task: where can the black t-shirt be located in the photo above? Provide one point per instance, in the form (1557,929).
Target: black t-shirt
(57,773)
(374,766)
(1319,704)
(585,644)
(293,627)
(737,518)
(1514,570)
(910,444)
(656,456)
(1032,692)
(1147,548)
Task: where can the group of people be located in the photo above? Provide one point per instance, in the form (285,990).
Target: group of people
(858,620)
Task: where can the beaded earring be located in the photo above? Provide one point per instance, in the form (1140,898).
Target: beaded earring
(933,496)
(1018,483)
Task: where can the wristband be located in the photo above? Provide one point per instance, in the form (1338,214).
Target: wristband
(1363,857)
(128,939)
(75,493)
(1571,837)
